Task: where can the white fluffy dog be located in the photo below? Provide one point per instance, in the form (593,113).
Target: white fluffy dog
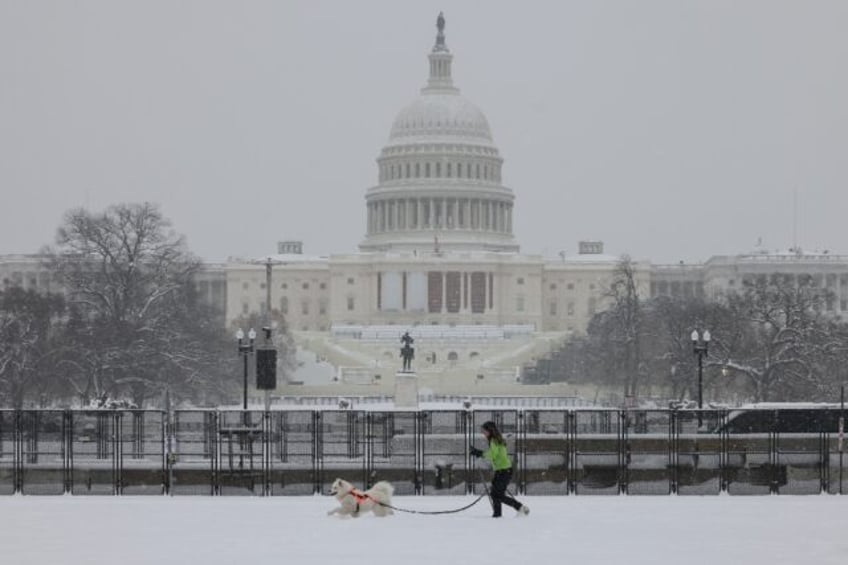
(353,502)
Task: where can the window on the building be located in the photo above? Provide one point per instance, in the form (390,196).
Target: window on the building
(553,308)
(322,308)
(350,303)
(350,280)
(553,286)
(284,286)
(245,285)
(570,286)
(519,304)
(305,286)
(323,286)
(520,280)
(284,305)
(305,307)
(570,308)
(453,291)
(427,170)
(592,306)
(449,171)
(245,309)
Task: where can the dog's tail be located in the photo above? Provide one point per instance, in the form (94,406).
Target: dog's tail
(384,488)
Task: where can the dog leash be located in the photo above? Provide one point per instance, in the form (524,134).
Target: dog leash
(454,511)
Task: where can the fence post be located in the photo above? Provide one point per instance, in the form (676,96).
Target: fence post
(118,451)
(318,456)
(17,458)
(68,448)
(467,424)
(521,451)
(166,439)
(673,452)
(623,452)
(571,451)
(420,417)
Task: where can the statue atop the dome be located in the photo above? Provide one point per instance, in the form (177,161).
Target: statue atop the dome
(440,37)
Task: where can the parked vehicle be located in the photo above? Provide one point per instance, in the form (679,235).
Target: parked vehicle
(784,418)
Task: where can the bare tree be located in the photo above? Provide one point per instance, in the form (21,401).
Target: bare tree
(624,325)
(785,338)
(137,326)
(28,324)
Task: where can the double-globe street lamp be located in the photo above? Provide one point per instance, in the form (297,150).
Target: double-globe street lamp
(700,347)
(245,349)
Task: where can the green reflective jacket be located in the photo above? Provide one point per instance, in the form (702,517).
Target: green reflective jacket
(496,454)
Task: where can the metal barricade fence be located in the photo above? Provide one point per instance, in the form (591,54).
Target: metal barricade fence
(301,452)
(8,452)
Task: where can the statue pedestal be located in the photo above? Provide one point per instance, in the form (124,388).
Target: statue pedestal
(406,390)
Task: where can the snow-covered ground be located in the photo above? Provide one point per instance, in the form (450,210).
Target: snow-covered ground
(293,530)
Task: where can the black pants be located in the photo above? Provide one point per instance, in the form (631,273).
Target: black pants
(498,491)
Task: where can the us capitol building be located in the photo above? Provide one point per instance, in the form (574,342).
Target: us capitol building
(439,258)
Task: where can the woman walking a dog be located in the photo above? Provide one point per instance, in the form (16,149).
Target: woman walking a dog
(502,466)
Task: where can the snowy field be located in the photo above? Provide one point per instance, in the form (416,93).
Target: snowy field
(292,530)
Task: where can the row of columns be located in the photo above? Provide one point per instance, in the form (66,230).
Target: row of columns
(488,172)
(439,213)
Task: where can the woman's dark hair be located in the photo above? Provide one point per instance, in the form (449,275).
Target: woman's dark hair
(494,434)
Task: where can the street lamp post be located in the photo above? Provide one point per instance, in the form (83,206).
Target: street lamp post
(245,349)
(700,347)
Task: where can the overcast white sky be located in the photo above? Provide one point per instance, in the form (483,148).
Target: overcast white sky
(672,130)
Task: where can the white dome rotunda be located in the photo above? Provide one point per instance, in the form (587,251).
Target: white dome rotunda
(440,174)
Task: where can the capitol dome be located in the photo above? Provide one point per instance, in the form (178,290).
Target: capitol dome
(440,115)
(439,184)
